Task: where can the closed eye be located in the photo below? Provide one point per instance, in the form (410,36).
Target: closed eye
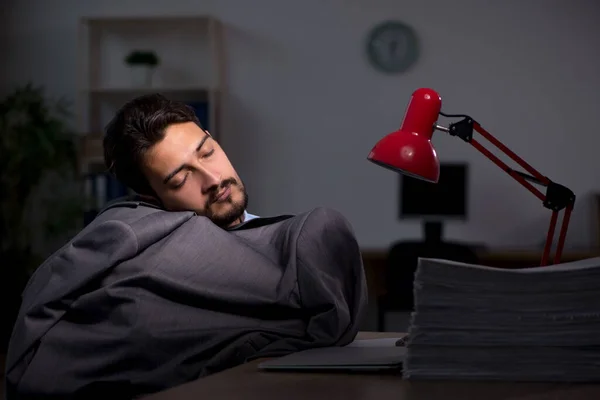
(180,184)
(177,170)
(210,153)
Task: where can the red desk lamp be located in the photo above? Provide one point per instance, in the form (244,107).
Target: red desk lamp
(409,151)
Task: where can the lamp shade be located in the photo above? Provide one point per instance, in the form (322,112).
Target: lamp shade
(409,150)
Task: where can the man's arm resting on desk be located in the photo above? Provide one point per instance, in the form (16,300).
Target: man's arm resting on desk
(184,298)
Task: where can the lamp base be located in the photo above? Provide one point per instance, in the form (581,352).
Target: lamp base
(433,232)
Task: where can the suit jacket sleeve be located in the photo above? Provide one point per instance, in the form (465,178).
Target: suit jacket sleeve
(330,283)
(48,297)
(331,278)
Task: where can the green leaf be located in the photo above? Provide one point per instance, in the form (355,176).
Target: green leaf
(35,140)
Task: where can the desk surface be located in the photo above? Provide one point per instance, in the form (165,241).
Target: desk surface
(246,382)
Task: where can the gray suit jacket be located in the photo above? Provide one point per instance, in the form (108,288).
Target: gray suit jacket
(143,299)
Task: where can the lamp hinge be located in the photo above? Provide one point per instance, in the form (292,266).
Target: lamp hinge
(463,129)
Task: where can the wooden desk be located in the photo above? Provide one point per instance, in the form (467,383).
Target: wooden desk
(375,263)
(248,383)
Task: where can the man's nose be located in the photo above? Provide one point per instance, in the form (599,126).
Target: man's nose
(210,179)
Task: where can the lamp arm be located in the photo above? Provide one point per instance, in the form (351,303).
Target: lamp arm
(556,198)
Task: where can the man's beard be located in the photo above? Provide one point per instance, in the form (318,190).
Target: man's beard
(236,210)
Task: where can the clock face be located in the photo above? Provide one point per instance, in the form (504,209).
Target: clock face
(392,47)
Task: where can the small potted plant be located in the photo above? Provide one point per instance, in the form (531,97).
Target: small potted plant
(142,64)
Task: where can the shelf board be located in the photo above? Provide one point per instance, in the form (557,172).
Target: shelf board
(124,22)
(197,93)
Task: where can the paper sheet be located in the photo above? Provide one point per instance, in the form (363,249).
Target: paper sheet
(384,342)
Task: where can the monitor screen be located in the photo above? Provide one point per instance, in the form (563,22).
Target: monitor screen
(446,199)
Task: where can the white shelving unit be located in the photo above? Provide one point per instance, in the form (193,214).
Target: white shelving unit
(191,69)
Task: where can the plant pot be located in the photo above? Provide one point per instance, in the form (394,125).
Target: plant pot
(141,75)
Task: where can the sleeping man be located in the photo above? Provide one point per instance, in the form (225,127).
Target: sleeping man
(180,281)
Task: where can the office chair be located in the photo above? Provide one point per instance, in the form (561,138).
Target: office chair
(400,271)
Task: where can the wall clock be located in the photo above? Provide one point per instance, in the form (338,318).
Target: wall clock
(392,47)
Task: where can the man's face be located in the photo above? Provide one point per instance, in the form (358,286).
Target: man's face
(188,170)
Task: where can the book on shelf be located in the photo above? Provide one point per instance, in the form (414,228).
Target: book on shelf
(100,188)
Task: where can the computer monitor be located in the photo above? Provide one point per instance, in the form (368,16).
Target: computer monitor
(434,203)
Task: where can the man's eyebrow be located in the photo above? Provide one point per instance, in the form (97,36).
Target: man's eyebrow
(181,167)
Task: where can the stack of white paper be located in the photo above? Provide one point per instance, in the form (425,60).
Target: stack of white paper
(533,324)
